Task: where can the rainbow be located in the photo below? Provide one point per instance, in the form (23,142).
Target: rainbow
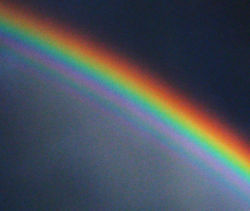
(80,65)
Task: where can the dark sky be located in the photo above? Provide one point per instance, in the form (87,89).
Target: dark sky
(198,46)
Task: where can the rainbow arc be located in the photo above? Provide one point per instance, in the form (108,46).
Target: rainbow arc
(81,63)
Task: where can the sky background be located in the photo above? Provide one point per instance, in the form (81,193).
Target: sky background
(60,154)
(200,47)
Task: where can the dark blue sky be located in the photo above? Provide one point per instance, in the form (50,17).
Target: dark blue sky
(58,153)
(200,47)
